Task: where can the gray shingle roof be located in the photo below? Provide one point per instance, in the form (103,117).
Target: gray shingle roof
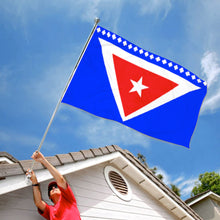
(8,156)
(189,200)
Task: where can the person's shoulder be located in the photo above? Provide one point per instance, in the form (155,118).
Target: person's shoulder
(46,211)
(68,193)
(63,188)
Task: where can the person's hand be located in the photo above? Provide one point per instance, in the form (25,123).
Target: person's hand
(30,173)
(38,156)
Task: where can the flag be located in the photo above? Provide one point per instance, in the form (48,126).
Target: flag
(120,81)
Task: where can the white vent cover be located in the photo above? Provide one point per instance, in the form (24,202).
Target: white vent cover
(117,183)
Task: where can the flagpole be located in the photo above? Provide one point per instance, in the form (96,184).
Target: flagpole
(67,85)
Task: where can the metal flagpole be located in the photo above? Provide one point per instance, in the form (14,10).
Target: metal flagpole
(67,85)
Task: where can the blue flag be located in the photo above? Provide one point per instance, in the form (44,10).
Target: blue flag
(118,80)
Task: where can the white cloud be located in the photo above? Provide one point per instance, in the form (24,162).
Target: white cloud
(166,176)
(17,138)
(211,71)
(210,67)
(110,133)
(90,9)
(98,131)
(24,11)
(202,24)
(202,19)
(49,85)
(185,185)
(212,102)
(178,180)
(11,138)
(154,7)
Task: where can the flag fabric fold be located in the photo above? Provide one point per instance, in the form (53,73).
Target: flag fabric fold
(120,81)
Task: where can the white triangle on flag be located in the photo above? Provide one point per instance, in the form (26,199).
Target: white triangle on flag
(184,86)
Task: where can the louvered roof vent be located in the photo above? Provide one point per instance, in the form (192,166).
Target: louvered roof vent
(117,183)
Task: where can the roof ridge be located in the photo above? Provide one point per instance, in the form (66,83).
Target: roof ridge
(9,156)
(20,166)
(196,196)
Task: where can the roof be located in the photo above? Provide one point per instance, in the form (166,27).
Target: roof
(7,158)
(123,159)
(204,195)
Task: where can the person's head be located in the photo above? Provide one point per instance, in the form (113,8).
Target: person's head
(53,192)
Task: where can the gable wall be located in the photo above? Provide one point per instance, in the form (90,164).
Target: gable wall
(18,205)
(206,209)
(95,200)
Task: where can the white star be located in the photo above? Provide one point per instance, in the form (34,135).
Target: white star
(138,86)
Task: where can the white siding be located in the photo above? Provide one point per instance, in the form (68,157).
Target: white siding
(18,205)
(95,200)
(206,209)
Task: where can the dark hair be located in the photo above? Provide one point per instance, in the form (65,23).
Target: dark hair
(50,187)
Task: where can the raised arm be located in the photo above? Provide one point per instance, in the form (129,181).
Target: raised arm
(36,191)
(39,157)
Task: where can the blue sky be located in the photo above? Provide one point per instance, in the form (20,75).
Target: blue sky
(40,42)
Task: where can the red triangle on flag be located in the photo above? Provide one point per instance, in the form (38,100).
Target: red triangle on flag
(137,86)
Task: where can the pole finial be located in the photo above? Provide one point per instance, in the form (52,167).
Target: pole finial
(97,20)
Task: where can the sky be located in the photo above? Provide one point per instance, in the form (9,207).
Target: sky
(40,42)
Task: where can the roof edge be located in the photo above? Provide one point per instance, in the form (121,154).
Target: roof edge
(199,197)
